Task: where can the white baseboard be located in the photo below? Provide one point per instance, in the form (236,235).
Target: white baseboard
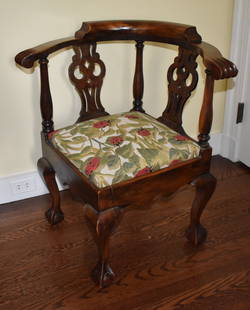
(8,184)
(37,188)
(8,193)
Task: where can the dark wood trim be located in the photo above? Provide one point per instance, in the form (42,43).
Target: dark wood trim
(54,214)
(46,104)
(138,85)
(205,186)
(206,113)
(102,225)
(138,30)
(219,67)
(28,57)
(88,83)
(180,88)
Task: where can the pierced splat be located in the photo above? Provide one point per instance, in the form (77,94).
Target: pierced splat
(86,73)
(182,79)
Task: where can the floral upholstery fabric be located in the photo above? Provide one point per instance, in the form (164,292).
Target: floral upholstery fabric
(115,148)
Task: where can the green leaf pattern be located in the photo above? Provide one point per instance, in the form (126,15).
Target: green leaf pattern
(115,148)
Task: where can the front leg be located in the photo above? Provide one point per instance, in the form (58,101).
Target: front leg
(54,214)
(205,186)
(102,225)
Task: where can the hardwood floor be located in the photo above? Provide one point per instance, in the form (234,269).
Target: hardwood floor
(43,267)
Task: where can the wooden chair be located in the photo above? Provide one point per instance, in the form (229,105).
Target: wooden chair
(112,161)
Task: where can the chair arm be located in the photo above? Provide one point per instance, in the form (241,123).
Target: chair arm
(27,58)
(218,66)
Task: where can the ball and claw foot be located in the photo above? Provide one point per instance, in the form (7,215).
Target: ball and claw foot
(197,235)
(54,216)
(103,275)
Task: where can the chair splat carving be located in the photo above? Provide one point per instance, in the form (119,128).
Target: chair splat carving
(127,159)
(86,73)
(180,87)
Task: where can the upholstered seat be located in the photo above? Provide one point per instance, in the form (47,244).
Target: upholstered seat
(115,148)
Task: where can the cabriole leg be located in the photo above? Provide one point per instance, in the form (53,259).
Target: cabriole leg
(205,186)
(54,214)
(102,225)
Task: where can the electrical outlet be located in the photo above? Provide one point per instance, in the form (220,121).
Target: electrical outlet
(23,186)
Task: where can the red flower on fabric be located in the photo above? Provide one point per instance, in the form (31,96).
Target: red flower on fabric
(143,171)
(143,132)
(181,138)
(116,140)
(174,162)
(51,134)
(131,116)
(101,124)
(92,165)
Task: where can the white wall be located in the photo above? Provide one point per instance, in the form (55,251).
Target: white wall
(28,23)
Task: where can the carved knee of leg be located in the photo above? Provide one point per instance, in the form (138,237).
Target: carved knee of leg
(205,186)
(103,224)
(54,214)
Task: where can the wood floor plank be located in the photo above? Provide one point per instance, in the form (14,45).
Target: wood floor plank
(43,267)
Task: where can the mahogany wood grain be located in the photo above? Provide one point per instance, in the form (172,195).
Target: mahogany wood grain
(103,225)
(180,88)
(86,73)
(46,104)
(220,67)
(54,214)
(138,85)
(206,114)
(142,30)
(205,186)
(28,57)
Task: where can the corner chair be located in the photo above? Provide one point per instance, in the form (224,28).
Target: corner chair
(112,161)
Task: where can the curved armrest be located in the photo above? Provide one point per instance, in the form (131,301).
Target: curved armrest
(220,67)
(28,57)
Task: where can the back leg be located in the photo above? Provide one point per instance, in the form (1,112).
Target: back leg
(205,186)
(54,214)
